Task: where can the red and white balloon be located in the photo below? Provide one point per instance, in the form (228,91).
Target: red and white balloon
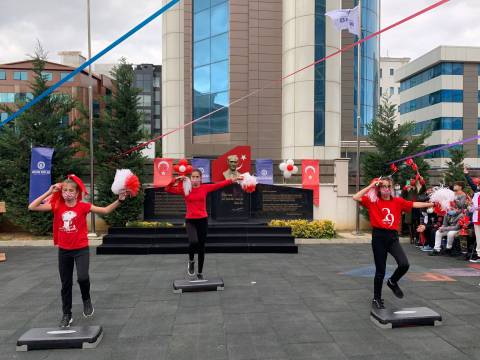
(183,168)
(288,168)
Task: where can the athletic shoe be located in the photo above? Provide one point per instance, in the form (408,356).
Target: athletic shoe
(435,253)
(66,321)
(475,259)
(427,248)
(395,288)
(191,268)
(200,276)
(88,309)
(378,304)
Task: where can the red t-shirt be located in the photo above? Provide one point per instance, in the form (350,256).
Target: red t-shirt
(70,230)
(196,201)
(386,214)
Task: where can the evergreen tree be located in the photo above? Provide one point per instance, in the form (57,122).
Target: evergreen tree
(44,124)
(117,130)
(454,171)
(392,142)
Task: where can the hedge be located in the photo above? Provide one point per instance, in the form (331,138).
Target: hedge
(305,229)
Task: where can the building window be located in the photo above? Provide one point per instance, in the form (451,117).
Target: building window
(392,90)
(392,72)
(381,91)
(444,153)
(20,75)
(381,73)
(3,75)
(319,84)
(63,75)
(47,76)
(3,116)
(370,63)
(452,96)
(437,124)
(144,100)
(432,72)
(211,82)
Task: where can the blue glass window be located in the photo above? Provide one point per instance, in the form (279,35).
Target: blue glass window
(3,75)
(370,65)
(48,76)
(3,116)
(432,99)
(20,75)
(319,87)
(210,65)
(7,97)
(442,123)
(444,153)
(63,75)
(431,73)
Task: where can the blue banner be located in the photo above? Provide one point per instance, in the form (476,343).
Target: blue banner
(264,171)
(40,172)
(204,166)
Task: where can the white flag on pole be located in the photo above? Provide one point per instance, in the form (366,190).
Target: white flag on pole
(346,19)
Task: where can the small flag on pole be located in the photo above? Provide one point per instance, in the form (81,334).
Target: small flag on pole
(348,19)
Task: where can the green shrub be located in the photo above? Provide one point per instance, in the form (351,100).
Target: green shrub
(149,224)
(316,229)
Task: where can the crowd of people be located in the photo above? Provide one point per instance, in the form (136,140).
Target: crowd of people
(453,233)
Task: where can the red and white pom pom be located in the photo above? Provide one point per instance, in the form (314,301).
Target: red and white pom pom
(127,181)
(372,194)
(248,183)
(442,196)
(288,168)
(183,168)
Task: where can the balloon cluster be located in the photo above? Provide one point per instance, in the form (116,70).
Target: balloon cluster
(183,168)
(288,168)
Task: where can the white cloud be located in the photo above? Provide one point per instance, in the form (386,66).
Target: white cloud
(454,23)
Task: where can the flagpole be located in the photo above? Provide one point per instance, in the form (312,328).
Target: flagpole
(359,93)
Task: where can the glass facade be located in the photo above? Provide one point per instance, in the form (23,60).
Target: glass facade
(370,57)
(319,90)
(211,82)
(436,97)
(444,153)
(3,75)
(432,72)
(20,75)
(442,123)
(147,80)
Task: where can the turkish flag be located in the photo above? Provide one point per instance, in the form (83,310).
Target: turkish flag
(221,164)
(311,178)
(162,172)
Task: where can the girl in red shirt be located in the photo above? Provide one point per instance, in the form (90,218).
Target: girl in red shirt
(196,222)
(385,211)
(70,235)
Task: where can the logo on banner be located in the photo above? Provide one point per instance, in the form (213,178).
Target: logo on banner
(41,165)
(163,167)
(264,172)
(310,172)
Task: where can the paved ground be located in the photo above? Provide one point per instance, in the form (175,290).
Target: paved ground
(299,308)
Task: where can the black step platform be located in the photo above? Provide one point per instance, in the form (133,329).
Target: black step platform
(222,238)
(404,317)
(213,284)
(75,337)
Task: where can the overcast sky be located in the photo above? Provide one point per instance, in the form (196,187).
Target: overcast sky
(61,25)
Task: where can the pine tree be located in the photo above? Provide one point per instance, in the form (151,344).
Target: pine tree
(116,131)
(44,124)
(392,142)
(454,171)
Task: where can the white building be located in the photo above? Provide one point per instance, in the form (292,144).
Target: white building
(388,86)
(441,90)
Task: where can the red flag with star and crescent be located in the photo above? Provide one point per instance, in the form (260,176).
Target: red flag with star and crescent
(311,178)
(162,172)
(244,162)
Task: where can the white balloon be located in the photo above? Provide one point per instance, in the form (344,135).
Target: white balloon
(295,169)
(282,166)
(290,162)
(287,174)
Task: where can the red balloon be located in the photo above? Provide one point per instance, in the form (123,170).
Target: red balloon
(290,168)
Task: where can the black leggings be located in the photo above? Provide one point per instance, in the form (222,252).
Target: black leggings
(197,236)
(66,260)
(384,242)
